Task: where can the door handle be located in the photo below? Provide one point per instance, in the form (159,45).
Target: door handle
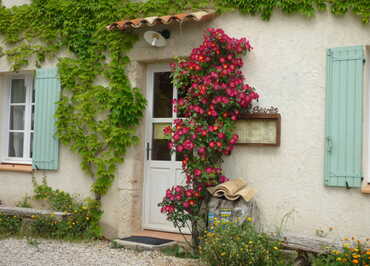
(148,149)
(329,144)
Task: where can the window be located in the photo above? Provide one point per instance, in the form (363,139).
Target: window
(27,119)
(20,119)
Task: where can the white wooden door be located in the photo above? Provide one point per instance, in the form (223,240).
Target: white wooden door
(162,169)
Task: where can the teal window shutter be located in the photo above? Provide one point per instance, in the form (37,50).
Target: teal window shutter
(344,116)
(45,144)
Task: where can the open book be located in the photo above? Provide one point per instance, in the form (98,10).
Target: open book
(233,189)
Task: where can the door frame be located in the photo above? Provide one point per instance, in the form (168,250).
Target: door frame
(150,70)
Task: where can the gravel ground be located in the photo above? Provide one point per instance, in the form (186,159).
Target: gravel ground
(19,252)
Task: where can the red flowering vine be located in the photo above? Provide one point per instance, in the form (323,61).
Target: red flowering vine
(212,94)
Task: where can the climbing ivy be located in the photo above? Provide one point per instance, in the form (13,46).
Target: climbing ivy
(308,8)
(98,120)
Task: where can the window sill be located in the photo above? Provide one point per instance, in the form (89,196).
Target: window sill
(16,168)
(365,188)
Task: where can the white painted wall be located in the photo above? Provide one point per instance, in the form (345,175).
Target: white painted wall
(287,66)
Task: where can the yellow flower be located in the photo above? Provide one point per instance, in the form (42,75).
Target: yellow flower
(223,254)
(250,219)
(355,256)
(355,261)
(368,253)
(339,259)
(276,248)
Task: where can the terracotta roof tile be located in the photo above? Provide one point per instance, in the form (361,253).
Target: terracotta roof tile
(152,21)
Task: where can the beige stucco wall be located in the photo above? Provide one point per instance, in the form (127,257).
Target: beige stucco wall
(15,185)
(11,3)
(287,66)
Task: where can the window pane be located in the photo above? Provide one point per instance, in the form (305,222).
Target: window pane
(33,95)
(32,117)
(15,144)
(163,95)
(17,117)
(18,92)
(31,145)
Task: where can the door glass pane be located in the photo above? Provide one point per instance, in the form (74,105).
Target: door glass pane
(15,144)
(18,92)
(163,95)
(17,117)
(160,150)
(179,156)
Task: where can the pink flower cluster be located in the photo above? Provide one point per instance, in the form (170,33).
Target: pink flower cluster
(212,96)
(179,196)
(214,82)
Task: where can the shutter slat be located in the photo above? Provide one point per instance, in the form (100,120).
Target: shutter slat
(344,112)
(46,145)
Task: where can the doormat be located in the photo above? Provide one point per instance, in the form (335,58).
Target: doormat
(153,241)
(144,242)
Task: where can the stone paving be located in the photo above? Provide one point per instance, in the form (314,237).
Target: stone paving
(38,252)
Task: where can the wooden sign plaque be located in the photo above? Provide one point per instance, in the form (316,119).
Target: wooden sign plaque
(259,129)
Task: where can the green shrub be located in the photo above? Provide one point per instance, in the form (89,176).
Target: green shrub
(9,225)
(83,223)
(352,252)
(235,245)
(24,203)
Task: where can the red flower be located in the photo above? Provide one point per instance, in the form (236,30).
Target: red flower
(197,172)
(179,148)
(189,193)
